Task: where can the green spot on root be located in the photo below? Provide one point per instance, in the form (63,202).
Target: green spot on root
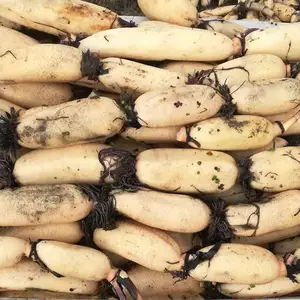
(215,179)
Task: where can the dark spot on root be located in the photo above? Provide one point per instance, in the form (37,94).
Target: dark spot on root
(178,104)
(91,66)
(236,124)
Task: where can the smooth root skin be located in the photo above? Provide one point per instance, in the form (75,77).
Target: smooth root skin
(218,11)
(153,283)
(73,164)
(9,24)
(128,43)
(136,78)
(151,135)
(282,207)
(12,251)
(227,28)
(132,146)
(267,238)
(34,94)
(68,233)
(149,247)
(288,245)
(186,170)
(279,287)
(282,41)
(266,97)
(14,40)
(276,143)
(41,63)
(250,68)
(60,17)
(185,214)
(48,204)
(186,67)
(182,13)
(5,106)
(283,117)
(276,171)
(73,261)
(69,123)
(235,263)
(236,194)
(178,106)
(239,133)
(29,275)
(159,24)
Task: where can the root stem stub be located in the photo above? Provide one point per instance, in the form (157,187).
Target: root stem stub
(91,66)
(219,229)
(104,212)
(7,179)
(118,165)
(192,259)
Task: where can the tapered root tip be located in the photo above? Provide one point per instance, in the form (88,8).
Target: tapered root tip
(182,135)
(237,46)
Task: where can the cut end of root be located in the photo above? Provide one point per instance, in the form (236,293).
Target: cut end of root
(7,179)
(219,229)
(104,213)
(120,281)
(91,66)
(119,165)
(182,135)
(237,46)
(8,132)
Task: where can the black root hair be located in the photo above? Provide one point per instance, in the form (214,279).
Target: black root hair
(246,176)
(35,257)
(119,165)
(8,132)
(219,229)
(7,179)
(242,36)
(205,77)
(292,264)
(121,282)
(104,213)
(192,259)
(91,66)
